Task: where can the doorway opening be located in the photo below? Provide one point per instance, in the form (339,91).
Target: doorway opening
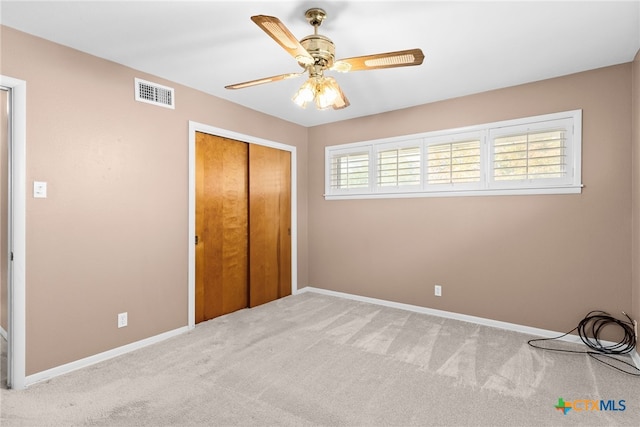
(13,232)
(5,176)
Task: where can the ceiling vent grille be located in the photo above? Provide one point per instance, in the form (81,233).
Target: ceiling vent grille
(154,93)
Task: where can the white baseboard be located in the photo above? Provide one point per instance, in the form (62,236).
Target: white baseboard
(100,357)
(636,357)
(91,360)
(463,317)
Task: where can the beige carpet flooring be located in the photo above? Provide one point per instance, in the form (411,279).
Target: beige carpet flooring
(312,359)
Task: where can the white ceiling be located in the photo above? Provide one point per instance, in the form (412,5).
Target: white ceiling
(469,47)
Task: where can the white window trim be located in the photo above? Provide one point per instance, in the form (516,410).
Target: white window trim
(571,185)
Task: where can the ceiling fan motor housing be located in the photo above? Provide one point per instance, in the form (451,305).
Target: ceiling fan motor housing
(321,48)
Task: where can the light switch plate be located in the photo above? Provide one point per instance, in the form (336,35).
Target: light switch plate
(39,190)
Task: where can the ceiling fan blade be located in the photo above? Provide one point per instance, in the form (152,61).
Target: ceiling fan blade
(401,58)
(276,29)
(263,80)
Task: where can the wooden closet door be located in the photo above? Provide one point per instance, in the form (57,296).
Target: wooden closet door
(221,226)
(269,224)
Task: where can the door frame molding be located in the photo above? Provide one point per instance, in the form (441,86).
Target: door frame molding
(212,130)
(16,299)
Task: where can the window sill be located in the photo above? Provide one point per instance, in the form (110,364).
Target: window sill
(573,189)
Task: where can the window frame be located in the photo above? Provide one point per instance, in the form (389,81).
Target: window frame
(346,150)
(535,127)
(571,183)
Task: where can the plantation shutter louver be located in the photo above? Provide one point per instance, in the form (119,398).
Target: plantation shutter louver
(451,163)
(538,155)
(350,170)
(399,167)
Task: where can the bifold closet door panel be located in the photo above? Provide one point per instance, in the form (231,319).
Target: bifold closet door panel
(269,224)
(221,226)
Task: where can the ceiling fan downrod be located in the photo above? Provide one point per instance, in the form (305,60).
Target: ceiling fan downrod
(315,16)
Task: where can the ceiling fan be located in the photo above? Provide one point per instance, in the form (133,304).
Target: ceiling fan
(316,54)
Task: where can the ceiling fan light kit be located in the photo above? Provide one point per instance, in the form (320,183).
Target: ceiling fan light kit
(316,54)
(324,91)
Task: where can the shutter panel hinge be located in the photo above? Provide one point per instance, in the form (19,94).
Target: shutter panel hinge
(197,240)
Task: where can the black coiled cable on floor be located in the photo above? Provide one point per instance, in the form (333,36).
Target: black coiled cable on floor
(589,330)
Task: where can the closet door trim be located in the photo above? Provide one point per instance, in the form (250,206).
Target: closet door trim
(200,127)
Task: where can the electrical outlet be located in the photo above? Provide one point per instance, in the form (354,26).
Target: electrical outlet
(438,290)
(122,320)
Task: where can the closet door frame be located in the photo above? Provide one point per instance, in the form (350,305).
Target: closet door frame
(200,127)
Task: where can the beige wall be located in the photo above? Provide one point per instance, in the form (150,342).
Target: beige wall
(542,261)
(636,189)
(112,234)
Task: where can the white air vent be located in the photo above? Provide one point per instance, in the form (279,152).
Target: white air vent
(154,93)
